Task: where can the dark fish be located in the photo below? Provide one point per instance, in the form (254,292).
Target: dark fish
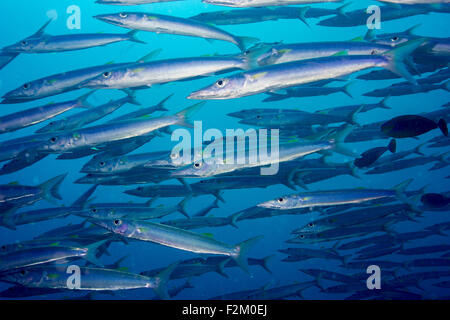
(412,126)
(370,156)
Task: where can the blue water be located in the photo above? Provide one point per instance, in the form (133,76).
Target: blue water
(21,18)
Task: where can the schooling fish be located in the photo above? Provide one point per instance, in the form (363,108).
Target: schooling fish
(59,83)
(116,131)
(276,77)
(178,238)
(93,279)
(29,117)
(131,2)
(144,75)
(35,256)
(172,25)
(17,195)
(253,15)
(263,3)
(412,126)
(372,155)
(265,54)
(86,117)
(434,200)
(45,43)
(332,197)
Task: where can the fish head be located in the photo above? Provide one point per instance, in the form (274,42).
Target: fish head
(23,46)
(58,143)
(52,126)
(100,164)
(280,203)
(118,226)
(225,88)
(24,276)
(139,191)
(392,39)
(87,179)
(199,168)
(27,91)
(107,79)
(305,238)
(122,19)
(97,213)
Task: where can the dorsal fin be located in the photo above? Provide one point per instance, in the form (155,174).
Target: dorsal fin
(40,32)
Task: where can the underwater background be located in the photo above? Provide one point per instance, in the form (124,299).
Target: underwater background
(23,17)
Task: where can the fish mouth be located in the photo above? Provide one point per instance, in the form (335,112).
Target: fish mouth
(108,19)
(201,95)
(266,205)
(12,101)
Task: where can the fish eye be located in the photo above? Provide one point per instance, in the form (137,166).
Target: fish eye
(26,86)
(173,156)
(139,188)
(3,247)
(93,210)
(281,200)
(102,163)
(220,83)
(198,165)
(394,39)
(302,236)
(24,43)
(373,52)
(258,117)
(107,74)
(123,15)
(23,272)
(117,222)
(310,224)
(53,139)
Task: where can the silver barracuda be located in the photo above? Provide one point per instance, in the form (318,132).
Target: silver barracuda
(178,238)
(144,75)
(172,25)
(106,133)
(267,54)
(275,77)
(263,3)
(131,2)
(59,83)
(41,255)
(86,117)
(29,117)
(47,43)
(333,197)
(93,279)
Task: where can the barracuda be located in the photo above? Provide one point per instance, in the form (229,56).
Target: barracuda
(178,238)
(106,133)
(172,25)
(263,3)
(275,77)
(144,75)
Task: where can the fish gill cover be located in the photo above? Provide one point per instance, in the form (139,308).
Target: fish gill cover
(276,149)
